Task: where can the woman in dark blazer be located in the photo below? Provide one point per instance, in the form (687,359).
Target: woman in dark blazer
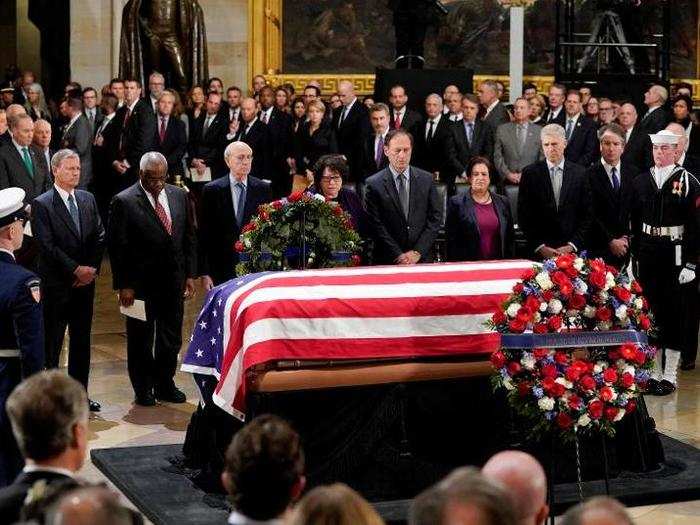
(313,139)
(479,222)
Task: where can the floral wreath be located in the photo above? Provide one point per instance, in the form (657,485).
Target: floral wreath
(569,390)
(304,227)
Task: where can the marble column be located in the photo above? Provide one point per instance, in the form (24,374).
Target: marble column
(517,36)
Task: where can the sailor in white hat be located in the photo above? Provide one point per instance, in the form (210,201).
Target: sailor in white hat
(665,216)
(21,323)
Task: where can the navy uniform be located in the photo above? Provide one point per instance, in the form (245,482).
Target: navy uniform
(665,217)
(21,326)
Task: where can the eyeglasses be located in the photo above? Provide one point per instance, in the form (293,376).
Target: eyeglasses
(332,178)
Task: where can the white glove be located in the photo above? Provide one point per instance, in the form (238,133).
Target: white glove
(686,275)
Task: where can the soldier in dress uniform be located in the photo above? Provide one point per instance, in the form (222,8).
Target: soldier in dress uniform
(21,325)
(665,218)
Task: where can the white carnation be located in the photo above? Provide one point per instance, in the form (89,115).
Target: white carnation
(545,403)
(528,361)
(584,420)
(544,281)
(604,296)
(555,306)
(319,197)
(597,368)
(589,312)
(609,281)
(621,312)
(578,263)
(543,307)
(508,384)
(246,242)
(638,303)
(512,309)
(562,381)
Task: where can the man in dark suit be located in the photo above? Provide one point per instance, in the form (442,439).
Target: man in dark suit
(431,143)
(400,115)
(77,135)
(101,161)
(351,125)
(171,135)
(469,137)
(132,134)
(41,143)
(228,204)
(611,183)
(152,247)
(494,112)
(580,131)
(555,114)
(403,206)
(50,419)
(71,239)
(637,144)
(14,110)
(207,140)
(554,200)
(91,110)
(374,157)
(656,117)
(279,126)
(257,135)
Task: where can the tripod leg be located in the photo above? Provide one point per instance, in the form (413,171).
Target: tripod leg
(590,49)
(621,39)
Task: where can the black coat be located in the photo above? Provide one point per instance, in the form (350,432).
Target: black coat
(309,148)
(218,230)
(394,234)
(12,497)
(560,119)
(209,146)
(460,151)
(433,155)
(638,149)
(13,172)
(497,116)
(463,235)
(144,257)
(137,135)
(258,138)
(61,247)
(369,162)
(411,120)
(538,216)
(583,147)
(351,135)
(655,121)
(279,127)
(174,144)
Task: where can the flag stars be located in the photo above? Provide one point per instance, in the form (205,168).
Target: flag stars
(203,325)
(219,301)
(214,313)
(213,341)
(199,353)
(218,330)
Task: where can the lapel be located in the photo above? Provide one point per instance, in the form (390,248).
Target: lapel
(414,192)
(390,188)
(20,161)
(229,215)
(547,186)
(82,213)
(470,213)
(565,186)
(604,181)
(62,212)
(150,211)
(172,193)
(211,124)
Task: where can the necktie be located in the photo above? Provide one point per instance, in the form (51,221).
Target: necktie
(128,116)
(264,117)
(403,194)
(241,203)
(397,120)
(91,118)
(162,216)
(569,128)
(380,150)
(207,123)
(161,132)
(470,133)
(73,210)
(28,161)
(520,130)
(615,179)
(429,137)
(556,184)
(342,116)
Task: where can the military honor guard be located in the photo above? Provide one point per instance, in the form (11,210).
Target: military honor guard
(21,324)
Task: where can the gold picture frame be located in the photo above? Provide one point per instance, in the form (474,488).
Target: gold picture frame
(265,25)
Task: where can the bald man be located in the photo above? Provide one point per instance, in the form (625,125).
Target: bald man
(352,127)
(256,134)
(637,144)
(12,110)
(525,481)
(656,118)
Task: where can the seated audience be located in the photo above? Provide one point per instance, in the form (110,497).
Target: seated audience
(263,471)
(599,510)
(313,139)
(479,222)
(526,483)
(517,145)
(335,504)
(464,497)
(49,416)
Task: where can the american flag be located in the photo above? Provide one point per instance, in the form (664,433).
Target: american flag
(344,313)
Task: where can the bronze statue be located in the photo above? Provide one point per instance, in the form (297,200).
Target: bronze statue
(166,36)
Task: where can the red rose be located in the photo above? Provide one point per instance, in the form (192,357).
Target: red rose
(572,374)
(611,413)
(549,371)
(523,389)
(606,393)
(636,287)
(517,326)
(644,322)
(264,215)
(540,353)
(566,289)
(498,359)
(610,375)
(295,197)
(547,296)
(514,368)
(631,406)
(597,279)
(623,294)
(498,317)
(524,314)
(554,323)
(640,357)
(528,274)
(337,211)
(577,301)
(645,304)
(627,351)
(547,384)
(564,420)
(574,402)
(627,380)
(355,260)
(277,205)
(540,328)
(558,390)
(532,303)
(595,409)
(560,278)
(597,265)
(603,314)
(565,261)
(571,272)
(561,357)
(518,288)
(239,247)
(587,383)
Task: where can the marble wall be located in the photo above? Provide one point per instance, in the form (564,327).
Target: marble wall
(96,26)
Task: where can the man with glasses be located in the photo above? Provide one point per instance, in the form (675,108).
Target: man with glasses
(156,86)
(665,217)
(606,114)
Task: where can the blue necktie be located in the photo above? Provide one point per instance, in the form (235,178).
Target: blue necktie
(73,210)
(241,203)
(615,179)
(470,132)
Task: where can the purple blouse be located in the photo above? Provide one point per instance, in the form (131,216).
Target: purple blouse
(489,230)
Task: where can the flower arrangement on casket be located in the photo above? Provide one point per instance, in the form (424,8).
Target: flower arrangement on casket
(563,389)
(301,225)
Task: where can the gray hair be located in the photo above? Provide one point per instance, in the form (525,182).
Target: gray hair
(603,504)
(553,130)
(151,158)
(615,129)
(661,91)
(380,106)
(435,96)
(61,155)
(234,145)
(156,74)
(491,84)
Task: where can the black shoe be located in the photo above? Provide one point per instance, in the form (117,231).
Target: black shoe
(666,388)
(94,406)
(687,365)
(145,400)
(652,387)
(171,395)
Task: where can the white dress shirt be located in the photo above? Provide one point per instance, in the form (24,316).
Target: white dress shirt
(608,169)
(267,113)
(233,113)
(235,191)
(7,251)
(64,196)
(53,470)
(554,114)
(376,140)
(401,113)
(236,518)
(436,121)
(162,198)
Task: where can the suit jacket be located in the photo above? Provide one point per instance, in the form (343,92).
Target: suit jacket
(144,257)
(351,135)
(258,138)
(433,155)
(560,118)
(12,497)
(99,117)
(411,120)
(462,227)
(610,209)
(394,234)
(13,172)
(655,121)
(638,149)
(459,150)
(61,247)
(583,147)
(369,163)
(539,217)
(134,136)
(309,148)
(209,146)
(279,128)
(174,144)
(78,137)
(218,230)
(497,116)
(508,156)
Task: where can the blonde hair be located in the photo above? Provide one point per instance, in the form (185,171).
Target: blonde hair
(335,504)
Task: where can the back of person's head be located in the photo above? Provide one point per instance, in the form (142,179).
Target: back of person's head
(90,506)
(600,510)
(335,504)
(264,468)
(464,496)
(526,482)
(49,413)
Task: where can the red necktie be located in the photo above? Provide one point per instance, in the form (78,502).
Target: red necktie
(160,212)
(162,129)
(397,121)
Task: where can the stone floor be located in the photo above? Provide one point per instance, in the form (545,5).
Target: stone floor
(122,424)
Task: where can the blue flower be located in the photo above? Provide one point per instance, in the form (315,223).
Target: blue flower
(537,392)
(598,379)
(504,373)
(549,415)
(642,376)
(584,254)
(550,265)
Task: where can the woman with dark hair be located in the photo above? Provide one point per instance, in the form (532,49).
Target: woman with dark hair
(682,108)
(592,109)
(282,100)
(329,173)
(195,106)
(313,139)
(215,84)
(298,112)
(479,222)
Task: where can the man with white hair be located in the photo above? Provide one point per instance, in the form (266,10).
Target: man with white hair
(153,251)
(656,117)
(433,138)
(554,200)
(156,86)
(665,217)
(524,480)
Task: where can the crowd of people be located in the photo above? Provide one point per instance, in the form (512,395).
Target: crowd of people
(165,183)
